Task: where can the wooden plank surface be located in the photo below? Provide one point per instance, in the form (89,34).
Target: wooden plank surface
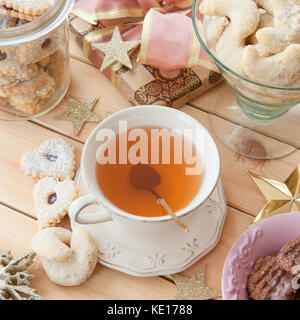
(17,214)
(235,224)
(16,232)
(90,85)
(110,284)
(221,97)
(76,52)
(17,138)
(240,191)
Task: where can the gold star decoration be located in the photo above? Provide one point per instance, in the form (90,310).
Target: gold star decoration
(116,50)
(79,113)
(194,288)
(282,197)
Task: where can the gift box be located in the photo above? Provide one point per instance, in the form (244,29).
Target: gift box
(146,82)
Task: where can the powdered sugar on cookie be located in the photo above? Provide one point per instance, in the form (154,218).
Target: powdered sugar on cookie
(68,258)
(52,199)
(54,158)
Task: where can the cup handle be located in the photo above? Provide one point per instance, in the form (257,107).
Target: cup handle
(83,202)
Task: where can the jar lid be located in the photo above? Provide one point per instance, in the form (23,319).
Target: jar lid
(37,28)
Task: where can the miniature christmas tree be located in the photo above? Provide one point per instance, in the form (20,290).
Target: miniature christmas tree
(14,279)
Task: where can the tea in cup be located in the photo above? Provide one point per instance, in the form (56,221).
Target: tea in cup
(106,165)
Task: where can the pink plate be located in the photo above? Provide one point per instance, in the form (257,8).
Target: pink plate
(262,239)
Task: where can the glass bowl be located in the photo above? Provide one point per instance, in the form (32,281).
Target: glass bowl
(259,116)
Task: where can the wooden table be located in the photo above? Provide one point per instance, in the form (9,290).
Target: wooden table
(18,218)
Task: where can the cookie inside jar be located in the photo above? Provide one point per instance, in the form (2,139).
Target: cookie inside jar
(34,60)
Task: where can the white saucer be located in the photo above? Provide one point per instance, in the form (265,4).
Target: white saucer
(148,254)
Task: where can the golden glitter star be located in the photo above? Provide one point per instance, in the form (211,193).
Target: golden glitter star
(79,113)
(282,196)
(116,50)
(194,288)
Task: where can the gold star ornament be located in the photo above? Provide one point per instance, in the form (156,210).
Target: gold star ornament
(116,50)
(194,288)
(282,197)
(79,113)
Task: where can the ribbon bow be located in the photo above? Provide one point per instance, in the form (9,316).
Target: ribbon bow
(164,27)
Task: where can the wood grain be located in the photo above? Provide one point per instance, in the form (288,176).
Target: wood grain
(235,224)
(17,229)
(110,284)
(17,138)
(240,191)
(90,84)
(76,52)
(16,232)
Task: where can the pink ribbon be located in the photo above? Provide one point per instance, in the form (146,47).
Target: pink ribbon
(167,39)
(92,6)
(170,49)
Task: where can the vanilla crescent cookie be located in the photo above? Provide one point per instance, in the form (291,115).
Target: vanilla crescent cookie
(286,28)
(68,258)
(53,158)
(230,48)
(53,243)
(266,20)
(281,69)
(243,14)
(52,199)
(215,25)
(266,5)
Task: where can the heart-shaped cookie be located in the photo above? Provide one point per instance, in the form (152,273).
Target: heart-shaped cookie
(54,158)
(52,199)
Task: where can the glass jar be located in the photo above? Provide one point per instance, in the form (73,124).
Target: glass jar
(34,64)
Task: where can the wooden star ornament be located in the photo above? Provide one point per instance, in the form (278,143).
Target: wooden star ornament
(282,197)
(79,113)
(116,50)
(194,288)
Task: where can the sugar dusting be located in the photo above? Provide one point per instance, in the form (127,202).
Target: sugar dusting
(51,213)
(54,158)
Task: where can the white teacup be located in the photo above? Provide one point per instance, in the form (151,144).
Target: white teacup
(144,116)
